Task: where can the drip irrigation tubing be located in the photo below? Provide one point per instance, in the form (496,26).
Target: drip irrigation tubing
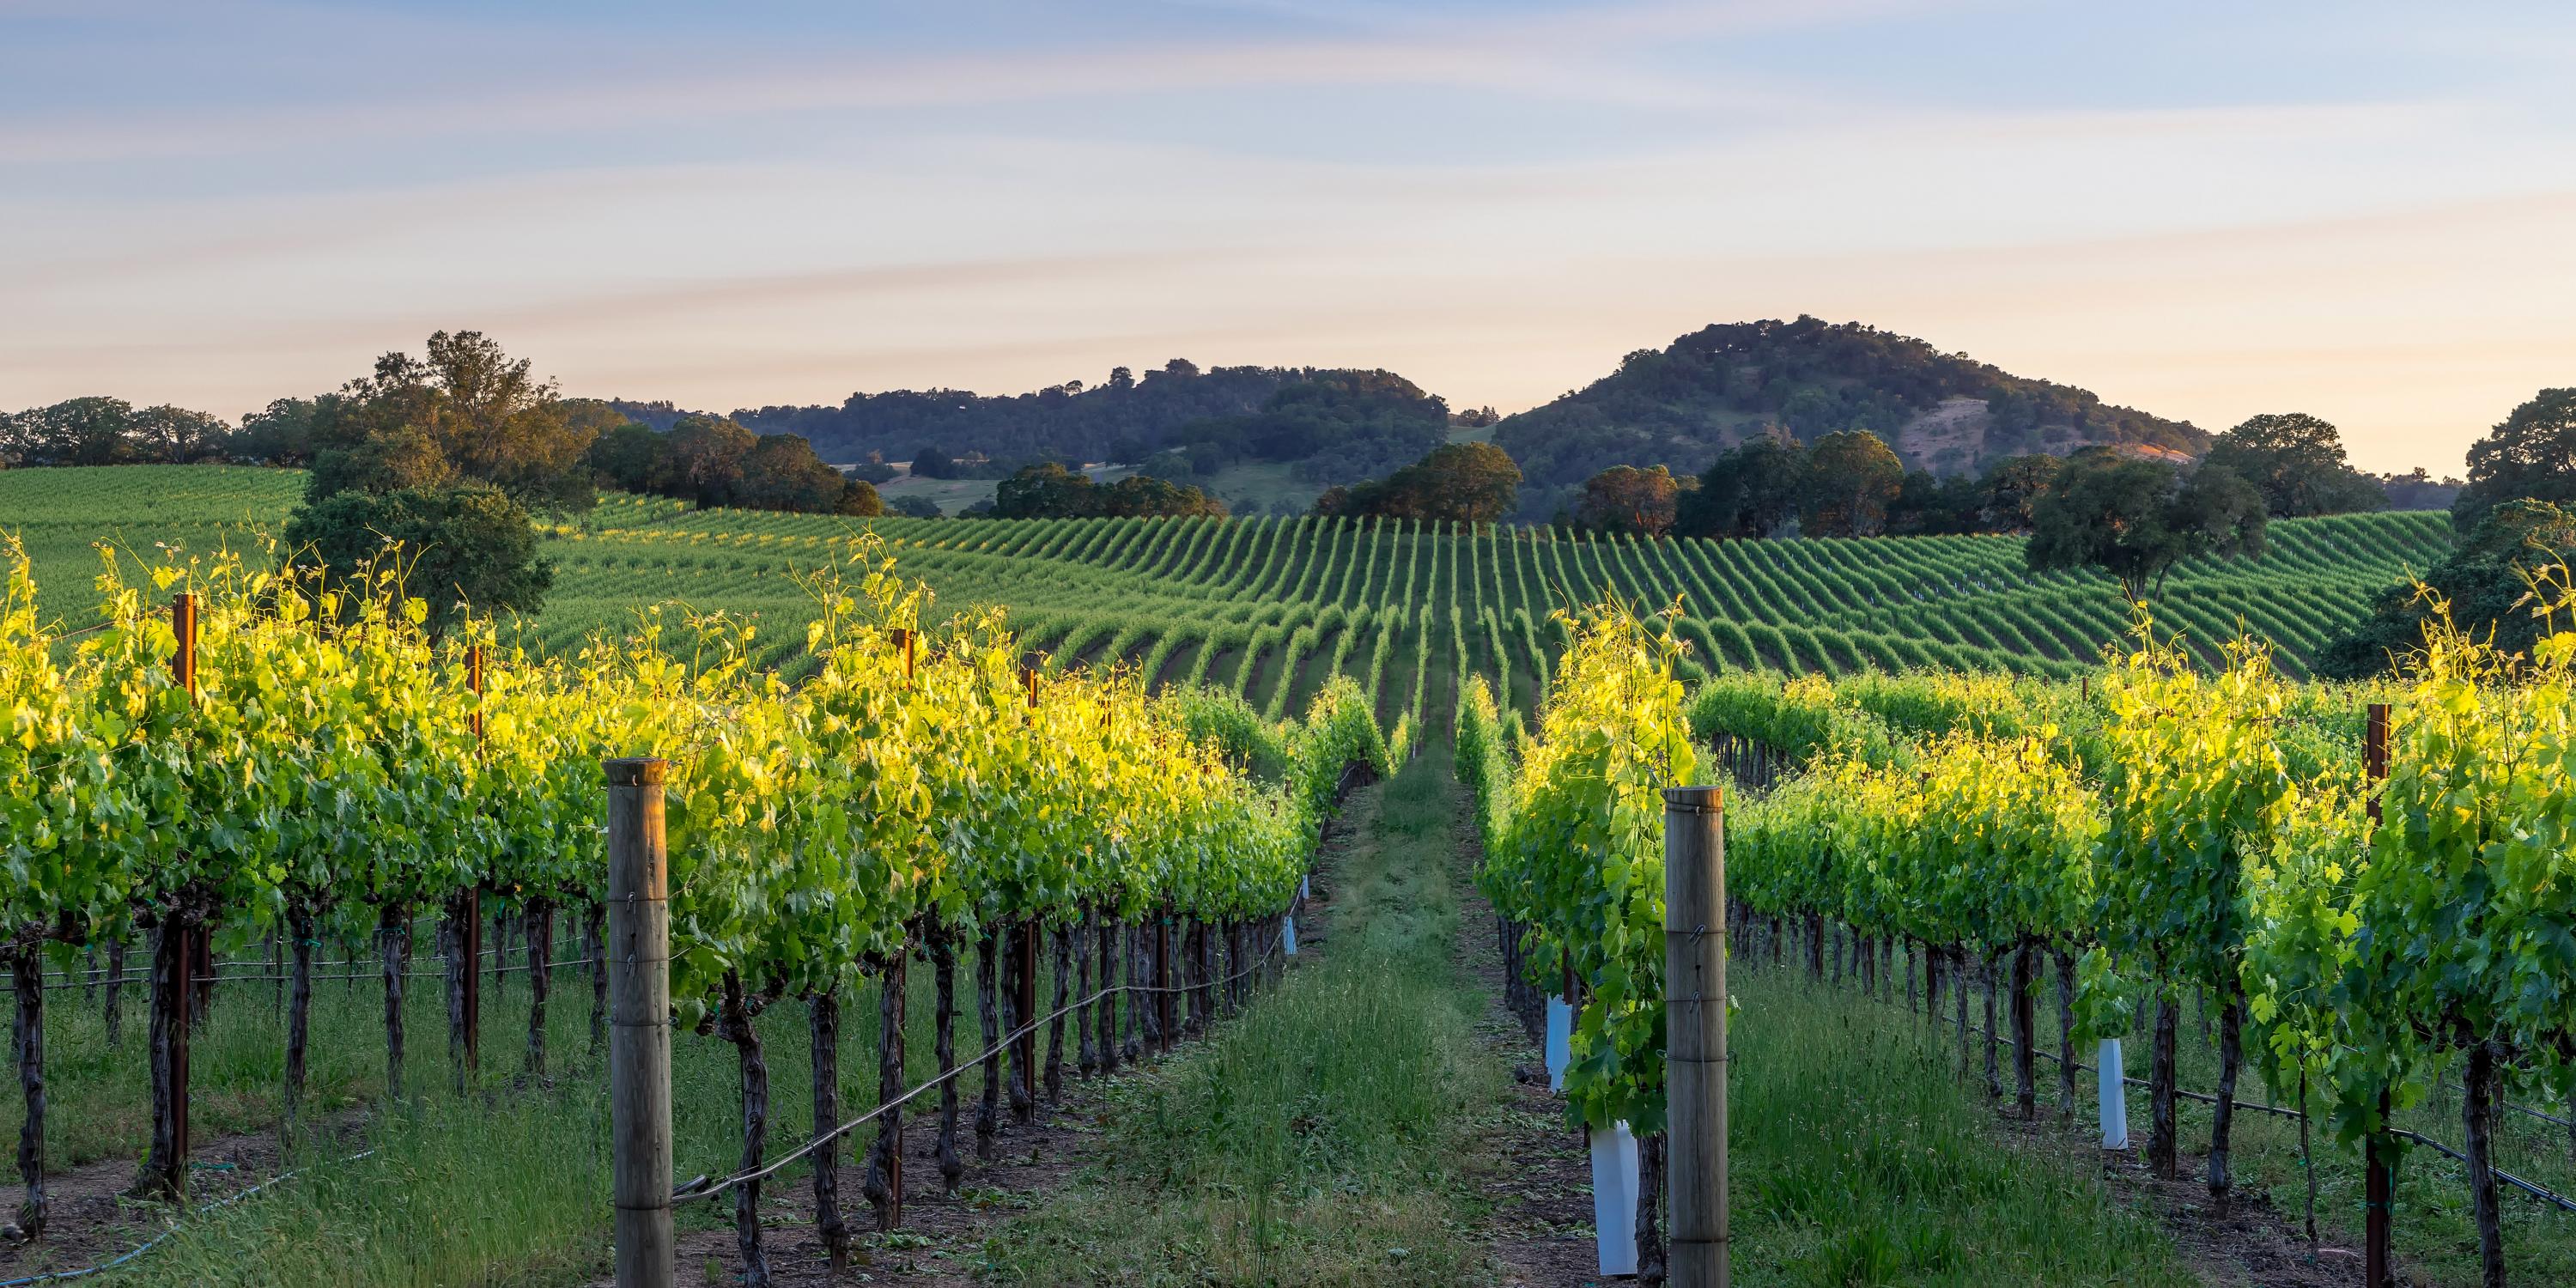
(56,1276)
(702,1188)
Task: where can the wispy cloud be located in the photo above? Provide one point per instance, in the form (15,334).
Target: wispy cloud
(1563,54)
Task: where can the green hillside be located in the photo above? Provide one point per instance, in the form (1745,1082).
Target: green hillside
(1710,390)
(1272,607)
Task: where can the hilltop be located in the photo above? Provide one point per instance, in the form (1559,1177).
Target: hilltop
(1709,390)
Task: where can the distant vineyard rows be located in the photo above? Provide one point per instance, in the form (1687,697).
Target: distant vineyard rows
(1271,608)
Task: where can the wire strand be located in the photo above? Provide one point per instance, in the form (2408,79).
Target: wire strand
(702,1188)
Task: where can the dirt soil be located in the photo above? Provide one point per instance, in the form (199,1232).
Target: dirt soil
(1533,1169)
(89,1220)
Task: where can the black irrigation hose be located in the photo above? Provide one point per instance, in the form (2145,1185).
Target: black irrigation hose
(2508,1178)
(702,1188)
(2536,1191)
(54,1276)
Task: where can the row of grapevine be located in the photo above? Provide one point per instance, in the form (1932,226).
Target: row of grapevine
(316,761)
(2372,905)
(2368,913)
(1571,823)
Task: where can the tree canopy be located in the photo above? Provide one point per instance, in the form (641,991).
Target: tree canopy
(2296,461)
(109,431)
(486,412)
(1626,499)
(1852,477)
(2531,454)
(459,549)
(2135,519)
(1050,491)
(1456,483)
(1751,490)
(2482,583)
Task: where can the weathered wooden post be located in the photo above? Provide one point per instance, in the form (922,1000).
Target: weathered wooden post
(2379,1149)
(1695,1032)
(639,1049)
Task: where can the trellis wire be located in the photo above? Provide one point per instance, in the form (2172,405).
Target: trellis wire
(702,1188)
(2535,1190)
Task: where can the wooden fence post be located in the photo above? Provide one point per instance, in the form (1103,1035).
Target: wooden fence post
(1695,1032)
(639,1049)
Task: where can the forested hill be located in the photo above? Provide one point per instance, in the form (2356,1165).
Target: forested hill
(1348,424)
(1711,389)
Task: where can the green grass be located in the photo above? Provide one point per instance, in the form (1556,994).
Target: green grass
(1858,1158)
(504,1185)
(1309,1142)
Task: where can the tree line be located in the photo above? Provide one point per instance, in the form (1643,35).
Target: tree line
(465,412)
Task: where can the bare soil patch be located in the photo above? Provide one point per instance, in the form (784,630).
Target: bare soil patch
(1534,1171)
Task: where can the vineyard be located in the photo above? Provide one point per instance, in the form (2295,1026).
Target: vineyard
(1271,608)
(241,758)
(2364,893)
(1092,763)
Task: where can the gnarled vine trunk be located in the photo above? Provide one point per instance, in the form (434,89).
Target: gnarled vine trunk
(2477,1116)
(2025,1034)
(2222,1118)
(165,1165)
(393,937)
(735,1025)
(943,969)
(1106,1009)
(540,947)
(823,1023)
(1018,963)
(2163,1154)
(455,937)
(1650,1205)
(299,1002)
(27,1047)
(885,1161)
(988,1110)
(1087,1049)
(1055,1022)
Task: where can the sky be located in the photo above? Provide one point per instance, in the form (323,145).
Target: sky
(2357,210)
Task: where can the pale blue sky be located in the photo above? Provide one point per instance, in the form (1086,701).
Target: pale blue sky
(2207,210)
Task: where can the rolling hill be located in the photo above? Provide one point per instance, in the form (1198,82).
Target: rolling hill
(1709,390)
